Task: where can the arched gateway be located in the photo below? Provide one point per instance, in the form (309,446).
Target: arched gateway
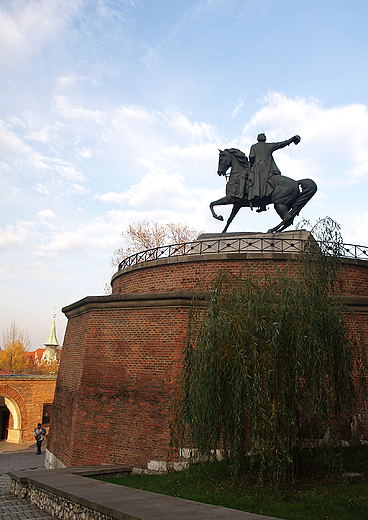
(10,419)
(122,353)
(22,404)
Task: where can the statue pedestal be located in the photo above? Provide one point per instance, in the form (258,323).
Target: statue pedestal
(285,242)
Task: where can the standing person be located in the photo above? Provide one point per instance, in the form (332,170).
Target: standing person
(39,433)
(263,167)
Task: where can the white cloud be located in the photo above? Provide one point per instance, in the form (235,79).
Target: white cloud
(14,236)
(157,189)
(42,270)
(194,130)
(65,81)
(41,189)
(150,58)
(194,152)
(359,233)
(28,25)
(80,241)
(66,109)
(11,144)
(237,108)
(46,214)
(156,129)
(334,142)
(192,211)
(16,122)
(70,173)
(10,291)
(113,198)
(41,135)
(86,153)
(80,190)
(14,150)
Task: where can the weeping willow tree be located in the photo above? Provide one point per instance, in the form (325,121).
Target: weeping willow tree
(270,357)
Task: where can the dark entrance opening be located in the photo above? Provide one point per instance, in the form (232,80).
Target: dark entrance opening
(4,419)
(46,415)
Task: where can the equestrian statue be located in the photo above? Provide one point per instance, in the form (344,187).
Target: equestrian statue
(257,182)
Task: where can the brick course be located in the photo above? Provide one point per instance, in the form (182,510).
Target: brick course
(122,355)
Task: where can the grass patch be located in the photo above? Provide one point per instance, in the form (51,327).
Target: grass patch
(316,494)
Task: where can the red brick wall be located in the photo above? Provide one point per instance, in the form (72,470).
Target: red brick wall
(112,407)
(191,273)
(30,393)
(122,355)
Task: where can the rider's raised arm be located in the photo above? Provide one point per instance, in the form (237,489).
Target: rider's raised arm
(276,146)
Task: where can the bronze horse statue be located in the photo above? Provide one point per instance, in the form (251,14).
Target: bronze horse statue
(288,196)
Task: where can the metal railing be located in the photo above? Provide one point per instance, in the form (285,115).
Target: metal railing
(239,245)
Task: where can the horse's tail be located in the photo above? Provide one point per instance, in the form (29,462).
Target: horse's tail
(308,189)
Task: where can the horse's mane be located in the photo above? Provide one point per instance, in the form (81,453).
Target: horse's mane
(242,158)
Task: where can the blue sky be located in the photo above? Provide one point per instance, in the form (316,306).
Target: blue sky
(112,112)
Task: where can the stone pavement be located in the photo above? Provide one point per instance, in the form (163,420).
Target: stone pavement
(18,457)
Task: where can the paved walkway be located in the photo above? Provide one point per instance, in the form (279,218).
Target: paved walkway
(18,457)
(120,502)
(117,501)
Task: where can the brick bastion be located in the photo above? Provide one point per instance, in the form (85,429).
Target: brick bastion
(122,353)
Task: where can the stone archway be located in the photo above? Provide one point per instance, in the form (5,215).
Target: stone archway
(15,419)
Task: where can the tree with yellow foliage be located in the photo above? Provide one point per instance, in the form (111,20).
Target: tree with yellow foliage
(15,343)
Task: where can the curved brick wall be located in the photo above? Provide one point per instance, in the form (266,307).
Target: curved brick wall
(189,273)
(193,272)
(122,354)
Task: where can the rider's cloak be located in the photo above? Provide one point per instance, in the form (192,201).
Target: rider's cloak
(262,168)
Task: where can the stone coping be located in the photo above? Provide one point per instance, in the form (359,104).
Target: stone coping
(293,234)
(66,494)
(357,303)
(27,376)
(121,300)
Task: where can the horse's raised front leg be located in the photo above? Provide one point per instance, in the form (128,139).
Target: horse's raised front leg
(220,202)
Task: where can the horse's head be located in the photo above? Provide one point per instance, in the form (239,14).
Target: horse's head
(224,162)
(231,157)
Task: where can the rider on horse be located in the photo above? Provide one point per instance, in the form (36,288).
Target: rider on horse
(263,168)
(267,185)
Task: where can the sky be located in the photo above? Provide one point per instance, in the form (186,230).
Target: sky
(112,112)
